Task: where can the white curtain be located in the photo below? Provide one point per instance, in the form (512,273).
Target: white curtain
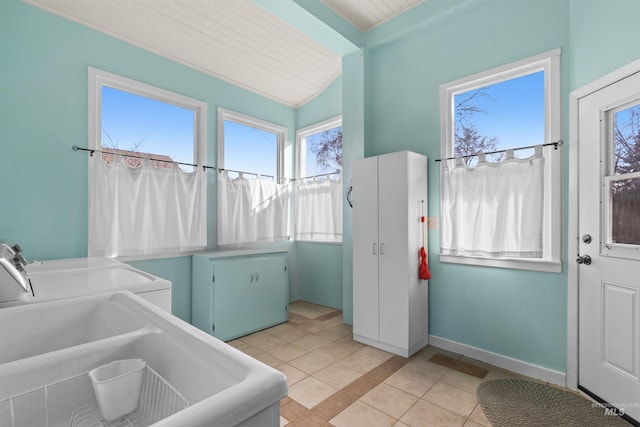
(318,210)
(494,209)
(251,210)
(144,210)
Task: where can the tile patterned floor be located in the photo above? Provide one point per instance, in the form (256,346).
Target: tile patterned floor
(335,381)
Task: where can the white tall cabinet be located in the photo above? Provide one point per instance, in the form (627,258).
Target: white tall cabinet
(390,302)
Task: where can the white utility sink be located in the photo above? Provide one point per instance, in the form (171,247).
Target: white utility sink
(47,349)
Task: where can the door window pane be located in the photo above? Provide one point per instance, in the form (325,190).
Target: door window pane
(625,206)
(626,137)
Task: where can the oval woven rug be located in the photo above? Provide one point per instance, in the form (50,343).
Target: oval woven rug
(511,403)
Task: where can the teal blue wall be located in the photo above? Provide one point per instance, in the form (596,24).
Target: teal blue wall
(43,112)
(515,313)
(605,35)
(315,282)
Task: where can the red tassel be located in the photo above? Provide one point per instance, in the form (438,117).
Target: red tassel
(424,273)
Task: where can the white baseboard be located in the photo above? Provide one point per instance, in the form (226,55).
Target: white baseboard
(500,361)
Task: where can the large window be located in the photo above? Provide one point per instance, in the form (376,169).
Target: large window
(502,209)
(253,196)
(318,184)
(146,194)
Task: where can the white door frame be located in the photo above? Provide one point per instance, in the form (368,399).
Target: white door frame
(573,222)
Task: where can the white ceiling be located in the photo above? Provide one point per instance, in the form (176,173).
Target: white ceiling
(365,14)
(235,40)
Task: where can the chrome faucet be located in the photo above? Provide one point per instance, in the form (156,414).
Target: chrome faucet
(14,263)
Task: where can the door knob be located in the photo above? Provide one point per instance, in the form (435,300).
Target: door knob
(586,260)
(586,238)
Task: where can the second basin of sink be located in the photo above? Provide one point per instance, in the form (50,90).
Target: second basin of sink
(36,329)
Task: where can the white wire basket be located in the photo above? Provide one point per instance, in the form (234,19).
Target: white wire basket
(72,403)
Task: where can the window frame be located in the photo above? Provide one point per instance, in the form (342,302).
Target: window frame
(246,120)
(301,152)
(549,62)
(98,78)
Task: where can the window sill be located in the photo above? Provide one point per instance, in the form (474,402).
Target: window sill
(324,242)
(513,263)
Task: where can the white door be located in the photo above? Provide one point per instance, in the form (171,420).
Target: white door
(609,246)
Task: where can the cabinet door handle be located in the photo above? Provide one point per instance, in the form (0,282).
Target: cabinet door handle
(251,277)
(381,248)
(256,276)
(374,248)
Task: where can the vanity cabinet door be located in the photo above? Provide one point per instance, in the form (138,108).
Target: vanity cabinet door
(271,290)
(233,299)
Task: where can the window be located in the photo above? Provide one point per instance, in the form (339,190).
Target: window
(319,148)
(250,145)
(318,184)
(510,107)
(146,196)
(622,182)
(253,197)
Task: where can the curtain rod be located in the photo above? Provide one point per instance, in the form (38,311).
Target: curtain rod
(132,156)
(204,167)
(317,176)
(555,146)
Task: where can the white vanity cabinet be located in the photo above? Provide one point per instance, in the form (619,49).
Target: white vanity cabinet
(390,302)
(237,293)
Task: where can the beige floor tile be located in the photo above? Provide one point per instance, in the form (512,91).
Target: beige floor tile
(287,352)
(424,367)
(268,343)
(310,363)
(335,351)
(414,382)
(269,359)
(461,381)
(282,327)
(376,353)
(452,399)
(360,362)
(256,336)
(479,417)
(293,375)
(283,421)
(316,326)
(247,348)
(360,414)
(390,400)
(311,342)
(292,334)
(304,310)
(336,332)
(310,391)
(470,423)
(401,424)
(337,375)
(425,414)
(348,341)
